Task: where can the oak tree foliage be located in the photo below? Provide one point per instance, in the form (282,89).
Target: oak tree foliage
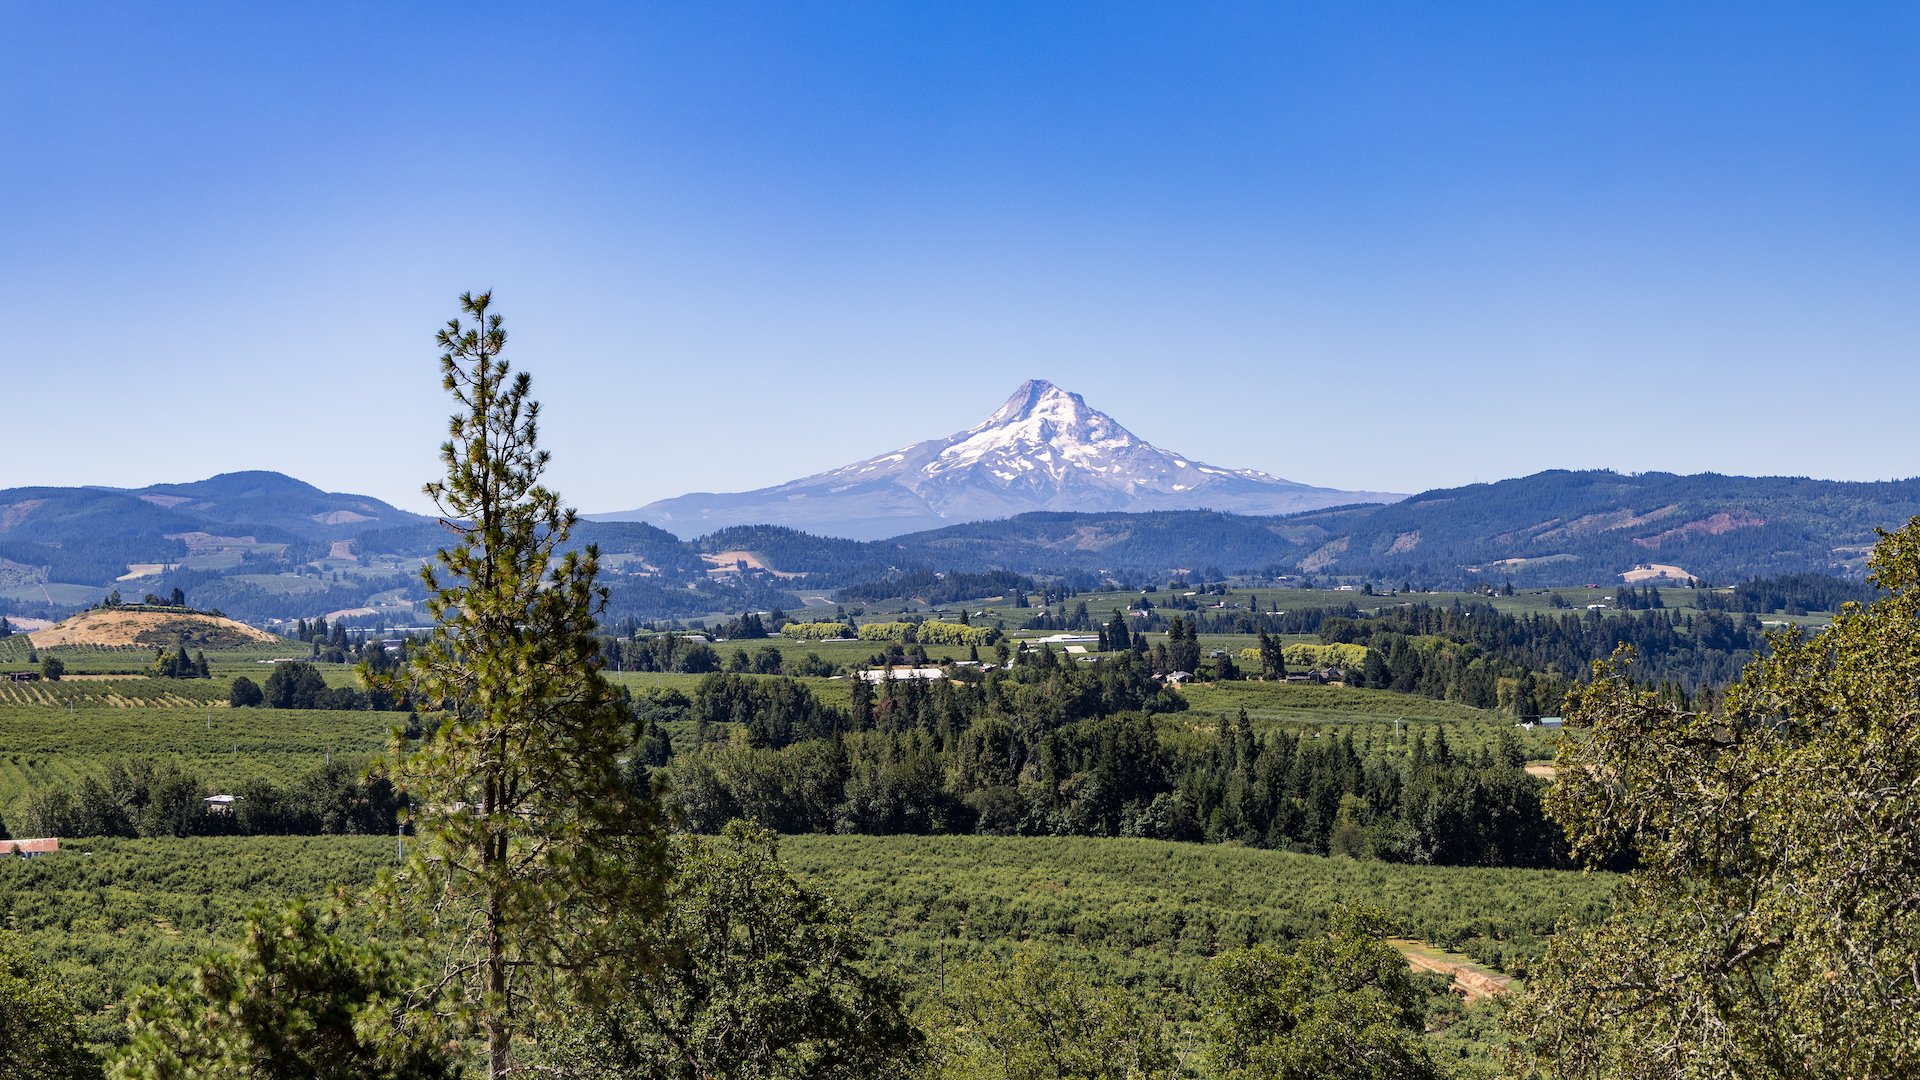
(750,974)
(40,1033)
(1772,926)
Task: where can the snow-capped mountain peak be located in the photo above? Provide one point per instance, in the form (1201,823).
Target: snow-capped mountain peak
(1045,448)
(1040,423)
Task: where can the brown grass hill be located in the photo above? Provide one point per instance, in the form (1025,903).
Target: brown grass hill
(163,628)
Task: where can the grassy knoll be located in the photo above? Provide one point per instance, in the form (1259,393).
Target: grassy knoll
(1367,715)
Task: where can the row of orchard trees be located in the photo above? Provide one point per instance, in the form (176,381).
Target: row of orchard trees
(167,797)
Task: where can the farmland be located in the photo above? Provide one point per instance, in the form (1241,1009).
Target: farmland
(1145,915)
(1139,914)
(41,744)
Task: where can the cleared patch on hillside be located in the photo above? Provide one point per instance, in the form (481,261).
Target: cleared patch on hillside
(133,626)
(1655,572)
(1717,525)
(1328,554)
(724,561)
(12,514)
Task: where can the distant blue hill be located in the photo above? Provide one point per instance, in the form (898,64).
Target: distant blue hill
(1552,528)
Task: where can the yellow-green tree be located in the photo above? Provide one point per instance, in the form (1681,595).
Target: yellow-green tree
(1772,925)
(1028,1018)
(1341,1006)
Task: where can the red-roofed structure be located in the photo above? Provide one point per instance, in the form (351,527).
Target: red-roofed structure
(27,849)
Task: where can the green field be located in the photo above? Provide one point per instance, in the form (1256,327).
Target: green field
(111,914)
(249,660)
(83,730)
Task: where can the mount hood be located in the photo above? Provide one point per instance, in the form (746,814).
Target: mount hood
(1045,449)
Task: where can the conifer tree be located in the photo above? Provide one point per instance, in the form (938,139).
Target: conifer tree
(533,839)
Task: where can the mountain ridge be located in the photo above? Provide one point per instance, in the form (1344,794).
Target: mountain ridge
(62,548)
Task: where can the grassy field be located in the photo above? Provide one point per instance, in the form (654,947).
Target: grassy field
(247,660)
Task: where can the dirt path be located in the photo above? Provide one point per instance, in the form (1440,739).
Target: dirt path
(1470,980)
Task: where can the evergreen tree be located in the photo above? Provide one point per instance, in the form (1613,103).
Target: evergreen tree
(534,843)
(295,1002)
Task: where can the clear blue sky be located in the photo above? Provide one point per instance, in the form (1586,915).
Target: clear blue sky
(1367,246)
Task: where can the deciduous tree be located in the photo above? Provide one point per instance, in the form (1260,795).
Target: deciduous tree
(1772,924)
(39,1034)
(1029,1018)
(755,976)
(1340,1006)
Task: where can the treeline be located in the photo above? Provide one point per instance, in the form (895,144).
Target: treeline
(1789,594)
(1463,652)
(167,797)
(640,599)
(929,632)
(1056,749)
(91,560)
(178,665)
(299,685)
(1157,613)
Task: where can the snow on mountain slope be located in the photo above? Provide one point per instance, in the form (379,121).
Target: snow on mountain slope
(1045,449)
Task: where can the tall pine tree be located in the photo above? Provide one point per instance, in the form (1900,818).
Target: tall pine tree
(534,843)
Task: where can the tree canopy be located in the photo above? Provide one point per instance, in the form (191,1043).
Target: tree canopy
(39,1033)
(295,1002)
(1772,924)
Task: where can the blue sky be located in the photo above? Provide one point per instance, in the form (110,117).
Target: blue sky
(1367,246)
